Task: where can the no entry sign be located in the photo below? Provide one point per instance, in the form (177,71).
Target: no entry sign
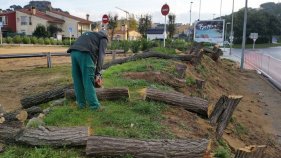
(105,19)
(165,9)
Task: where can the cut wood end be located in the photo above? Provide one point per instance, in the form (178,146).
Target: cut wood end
(143,93)
(2,120)
(210,110)
(22,116)
(235,96)
(90,131)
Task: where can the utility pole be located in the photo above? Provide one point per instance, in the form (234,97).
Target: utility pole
(190,13)
(244,35)
(127,14)
(231,32)
(220,9)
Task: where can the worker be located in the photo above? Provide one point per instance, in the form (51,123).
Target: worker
(87,55)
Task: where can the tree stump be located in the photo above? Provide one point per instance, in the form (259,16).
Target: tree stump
(192,104)
(181,68)
(200,83)
(117,147)
(253,151)
(103,94)
(223,111)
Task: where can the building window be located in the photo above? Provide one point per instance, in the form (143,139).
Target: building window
(4,20)
(30,23)
(24,20)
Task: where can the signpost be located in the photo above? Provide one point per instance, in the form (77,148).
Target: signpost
(1,25)
(105,19)
(70,32)
(254,37)
(165,11)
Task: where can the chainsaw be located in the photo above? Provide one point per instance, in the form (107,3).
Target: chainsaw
(98,81)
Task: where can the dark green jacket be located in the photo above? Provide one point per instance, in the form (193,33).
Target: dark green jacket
(94,43)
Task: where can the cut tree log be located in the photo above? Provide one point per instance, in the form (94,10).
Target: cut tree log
(222,112)
(44,97)
(200,83)
(34,110)
(15,116)
(45,136)
(253,151)
(104,94)
(116,147)
(159,77)
(186,58)
(192,104)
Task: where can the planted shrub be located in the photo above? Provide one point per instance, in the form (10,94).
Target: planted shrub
(135,46)
(53,41)
(4,40)
(66,41)
(9,40)
(26,40)
(125,46)
(47,41)
(40,41)
(59,42)
(34,40)
(17,39)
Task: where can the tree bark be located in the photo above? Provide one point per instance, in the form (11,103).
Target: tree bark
(222,113)
(252,151)
(117,147)
(34,110)
(159,77)
(193,104)
(103,94)
(45,136)
(135,57)
(44,97)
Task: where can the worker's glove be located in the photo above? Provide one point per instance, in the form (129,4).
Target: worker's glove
(98,81)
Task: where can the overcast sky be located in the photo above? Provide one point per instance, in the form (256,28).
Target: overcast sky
(96,8)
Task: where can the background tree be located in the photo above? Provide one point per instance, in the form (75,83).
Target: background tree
(15,7)
(40,31)
(112,24)
(53,30)
(145,23)
(171,25)
(133,23)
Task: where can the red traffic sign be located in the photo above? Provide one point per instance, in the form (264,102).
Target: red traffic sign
(105,19)
(165,9)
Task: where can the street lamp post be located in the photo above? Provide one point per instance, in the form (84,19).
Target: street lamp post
(199,9)
(244,34)
(220,9)
(225,33)
(190,13)
(231,32)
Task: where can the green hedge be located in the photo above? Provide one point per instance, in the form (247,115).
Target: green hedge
(41,41)
(17,39)
(34,40)
(26,40)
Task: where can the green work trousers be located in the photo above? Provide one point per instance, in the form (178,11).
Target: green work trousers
(83,74)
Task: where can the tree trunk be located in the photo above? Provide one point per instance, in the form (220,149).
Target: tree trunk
(135,57)
(45,136)
(15,116)
(252,151)
(44,97)
(32,111)
(159,77)
(193,104)
(223,111)
(103,94)
(117,147)
(8,134)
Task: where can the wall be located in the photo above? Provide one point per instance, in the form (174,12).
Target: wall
(154,36)
(68,23)
(11,22)
(28,29)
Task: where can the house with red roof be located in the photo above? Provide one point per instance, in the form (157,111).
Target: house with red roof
(28,19)
(77,25)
